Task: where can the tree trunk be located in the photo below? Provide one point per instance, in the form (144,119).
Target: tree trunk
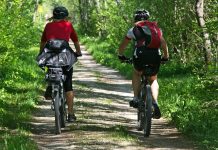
(35,10)
(83,8)
(201,22)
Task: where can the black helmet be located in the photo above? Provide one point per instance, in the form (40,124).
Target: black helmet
(60,12)
(141,15)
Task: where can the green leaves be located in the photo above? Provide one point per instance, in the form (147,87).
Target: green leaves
(16,25)
(17,92)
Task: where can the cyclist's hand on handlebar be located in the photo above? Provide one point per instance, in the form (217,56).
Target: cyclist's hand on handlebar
(164,60)
(122,58)
(78,54)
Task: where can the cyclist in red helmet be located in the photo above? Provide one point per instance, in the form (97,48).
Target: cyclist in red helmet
(147,50)
(61,28)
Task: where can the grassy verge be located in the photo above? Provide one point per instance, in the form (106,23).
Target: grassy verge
(187,100)
(18,95)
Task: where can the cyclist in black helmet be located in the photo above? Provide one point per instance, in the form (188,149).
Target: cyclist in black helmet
(61,28)
(147,50)
(141,15)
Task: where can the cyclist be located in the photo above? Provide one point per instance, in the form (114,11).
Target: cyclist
(61,28)
(143,54)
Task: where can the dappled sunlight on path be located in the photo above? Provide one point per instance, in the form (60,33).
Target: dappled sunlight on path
(105,120)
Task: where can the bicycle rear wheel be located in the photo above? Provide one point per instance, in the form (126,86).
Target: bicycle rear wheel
(57,113)
(148,111)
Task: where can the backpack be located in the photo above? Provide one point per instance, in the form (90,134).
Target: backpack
(56,53)
(147,34)
(56,45)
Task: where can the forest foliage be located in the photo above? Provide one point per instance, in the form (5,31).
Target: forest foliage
(18,78)
(102,24)
(178,19)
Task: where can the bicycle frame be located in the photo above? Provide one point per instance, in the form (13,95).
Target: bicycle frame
(145,107)
(55,78)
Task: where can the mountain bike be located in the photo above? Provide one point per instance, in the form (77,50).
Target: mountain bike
(55,78)
(144,106)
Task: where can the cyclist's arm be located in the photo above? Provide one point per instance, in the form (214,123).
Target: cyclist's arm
(165,48)
(123,45)
(77,47)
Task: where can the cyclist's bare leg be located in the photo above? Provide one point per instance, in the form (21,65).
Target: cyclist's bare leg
(136,82)
(69,99)
(155,90)
(154,87)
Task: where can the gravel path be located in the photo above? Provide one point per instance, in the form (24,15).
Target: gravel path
(105,120)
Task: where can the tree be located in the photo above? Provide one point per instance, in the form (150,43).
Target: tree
(201,22)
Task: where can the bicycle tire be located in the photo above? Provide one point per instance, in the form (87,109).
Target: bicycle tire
(141,110)
(148,112)
(140,121)
(57,113)
(63,113)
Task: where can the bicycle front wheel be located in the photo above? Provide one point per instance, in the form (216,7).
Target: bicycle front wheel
(140,120)
(63,113)
(148,111)
(57,113)
(141,108)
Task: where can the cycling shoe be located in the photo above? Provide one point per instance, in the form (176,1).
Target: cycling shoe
(157,113)
(134,103)
(71,118)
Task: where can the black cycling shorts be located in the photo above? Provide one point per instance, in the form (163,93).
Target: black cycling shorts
(143,56)
(68,82)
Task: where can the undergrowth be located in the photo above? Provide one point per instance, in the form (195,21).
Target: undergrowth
(18,96)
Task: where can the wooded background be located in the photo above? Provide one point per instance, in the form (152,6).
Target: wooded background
(188,83)
(190,27)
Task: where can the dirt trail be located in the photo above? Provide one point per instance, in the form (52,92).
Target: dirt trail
(105,120)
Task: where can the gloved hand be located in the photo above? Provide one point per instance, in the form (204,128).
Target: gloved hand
(122,58)
(77,55)
(164,60)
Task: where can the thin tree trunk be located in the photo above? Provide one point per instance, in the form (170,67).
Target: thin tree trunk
(35,10)
(201,22)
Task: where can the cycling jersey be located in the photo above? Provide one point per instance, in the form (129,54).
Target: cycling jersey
(59,30)
(144,55)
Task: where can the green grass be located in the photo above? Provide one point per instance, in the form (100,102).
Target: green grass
(121,132)
(188,100)
(192,105)
(16,140)
(116,132)
(18,96)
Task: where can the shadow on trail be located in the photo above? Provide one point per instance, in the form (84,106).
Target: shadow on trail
(118,87)
(84,94)
(104,118)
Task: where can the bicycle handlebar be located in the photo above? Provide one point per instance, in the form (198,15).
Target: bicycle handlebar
(127,60)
